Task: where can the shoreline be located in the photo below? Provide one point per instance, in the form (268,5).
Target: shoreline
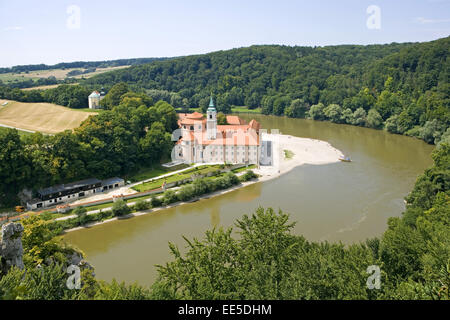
(305,151)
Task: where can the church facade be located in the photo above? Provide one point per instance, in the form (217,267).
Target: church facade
(204,141)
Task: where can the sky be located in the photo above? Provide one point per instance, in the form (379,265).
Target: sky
(50,32)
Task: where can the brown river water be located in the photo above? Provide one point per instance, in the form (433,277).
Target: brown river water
(347,202)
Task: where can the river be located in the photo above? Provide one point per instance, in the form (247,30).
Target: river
(347,202)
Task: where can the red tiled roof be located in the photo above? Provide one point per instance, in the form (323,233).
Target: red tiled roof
(195,115)
(235,120)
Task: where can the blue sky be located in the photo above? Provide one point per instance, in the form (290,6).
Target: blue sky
(37,31)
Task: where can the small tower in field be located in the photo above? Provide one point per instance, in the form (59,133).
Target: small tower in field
(211,121)
(94,100)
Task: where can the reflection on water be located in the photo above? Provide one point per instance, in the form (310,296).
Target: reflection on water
(346,202)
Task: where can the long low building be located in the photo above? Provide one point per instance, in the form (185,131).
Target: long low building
(63,193)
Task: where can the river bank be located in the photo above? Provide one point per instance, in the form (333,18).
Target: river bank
(301,150)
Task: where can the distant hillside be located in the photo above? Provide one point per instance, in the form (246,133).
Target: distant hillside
(403,88)
(79,64)
(245,75)
(407,84)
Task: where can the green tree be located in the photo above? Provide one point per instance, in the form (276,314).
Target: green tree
(113,97)
(297,109)
(374,119)
(120,208)
(333,112)
(359,117)
(316,112)
(15,167)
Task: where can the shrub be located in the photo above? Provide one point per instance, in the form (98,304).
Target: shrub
(200,187)
(141,205)
(81,215)
(155,201)
(120,208)
(169,197)
(186,193)
(374,120)
(249,175)
(79,211)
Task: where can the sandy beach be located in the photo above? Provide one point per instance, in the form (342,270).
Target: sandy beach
(305,151)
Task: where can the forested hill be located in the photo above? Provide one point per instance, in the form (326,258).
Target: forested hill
(247,74)
(403,88)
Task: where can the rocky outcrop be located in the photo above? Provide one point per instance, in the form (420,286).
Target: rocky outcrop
(11,250)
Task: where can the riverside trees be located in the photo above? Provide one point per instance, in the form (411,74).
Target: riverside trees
(114,142)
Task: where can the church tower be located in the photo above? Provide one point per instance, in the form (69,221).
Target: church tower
(211,121)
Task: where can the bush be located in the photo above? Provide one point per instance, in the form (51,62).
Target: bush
(186,193)
(141,205)
(120,208)
(79,211)
(374,120)
(200,187)
(155,201)
(359,117)
(169,197)
(249,175)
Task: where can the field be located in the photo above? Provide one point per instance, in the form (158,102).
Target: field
(244,109)
(43,117)
(50,86)
(59,74)
(175,178)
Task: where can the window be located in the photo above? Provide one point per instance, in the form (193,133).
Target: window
(39,205)
(81,194)
(116,185)
(210,116)
(191,128)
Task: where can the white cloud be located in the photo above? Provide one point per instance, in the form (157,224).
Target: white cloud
(423,20)
(14,28)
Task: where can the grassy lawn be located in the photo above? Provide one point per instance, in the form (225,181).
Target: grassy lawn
(21,133)
(148,173)
(252,166)
(244,109)
(107,205)
(89,110)
(176,177)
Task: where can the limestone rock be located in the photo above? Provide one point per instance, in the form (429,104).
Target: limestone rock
(11,250)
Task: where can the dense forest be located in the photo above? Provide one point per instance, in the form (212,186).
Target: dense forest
(267,261)
(403,88)
(135,133)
